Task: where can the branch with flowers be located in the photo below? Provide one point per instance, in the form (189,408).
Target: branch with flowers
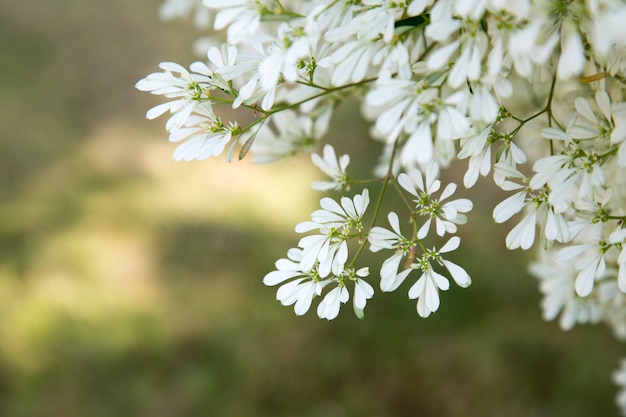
(439,80)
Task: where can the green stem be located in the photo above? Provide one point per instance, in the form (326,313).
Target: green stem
(379,202)
(322,94)
(548,109)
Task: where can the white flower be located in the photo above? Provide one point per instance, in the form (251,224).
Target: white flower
(189,90)
(328,308)
(281,61)
(363,291)
(467,66)
(510,155)
(483,105)
(204,136)
(427,287)
(381,238)
(478,164)
(559,295)
(476,146)
(446,215)
(523,234)
(335,223)
(451,122)
(332,166)
(426,290)
(553,224)
(419,146)
(304,285)
(405,106)
(575,174)
(398,101)
(611,123)
(524,50)
(572,57)
(590,262)
(240,16)
(288,132)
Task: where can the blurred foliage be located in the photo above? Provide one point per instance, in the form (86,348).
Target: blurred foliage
(131,286)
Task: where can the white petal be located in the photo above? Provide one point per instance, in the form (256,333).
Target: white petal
(460,276)
(452,244)
(509,207)
(522,235)
(442,56)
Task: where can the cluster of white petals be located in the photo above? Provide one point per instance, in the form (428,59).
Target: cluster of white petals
(320,260)
(531,92)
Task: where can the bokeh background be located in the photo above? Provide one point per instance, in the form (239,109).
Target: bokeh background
(130,285)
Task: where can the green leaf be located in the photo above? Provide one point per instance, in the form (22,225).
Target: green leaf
(248,141)
(413,21)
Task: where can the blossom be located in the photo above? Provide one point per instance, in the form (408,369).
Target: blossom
(299,287)
(537,209)
(336,223)
(189,90)
(399,101)
(559,295)
(242,17)
(204,136)
(304,285)
(590,262)
(288,132)
(328,308)
(524,48)
(572,57)
(332,166)
(381,238)
(363,291)
(446,215)
(426,288)
(476,146)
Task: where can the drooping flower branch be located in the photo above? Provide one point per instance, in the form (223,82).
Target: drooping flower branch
(505,85)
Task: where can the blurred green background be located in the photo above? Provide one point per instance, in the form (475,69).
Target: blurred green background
(130,285)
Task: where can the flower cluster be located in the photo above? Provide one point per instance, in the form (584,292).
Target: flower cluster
(320,260)
(530,91)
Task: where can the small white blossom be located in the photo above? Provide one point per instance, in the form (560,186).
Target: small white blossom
(328,308)
(240,16)
(590,262)
(381,238)
(304,285)
(188,89)
(287,132)
(299,287)
(332,166)
(559,296)
(336,223)
(363,291)
(204,136)
(446,214)
(427,287)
